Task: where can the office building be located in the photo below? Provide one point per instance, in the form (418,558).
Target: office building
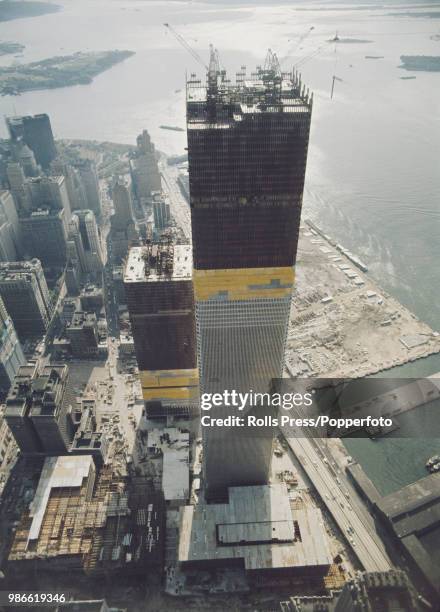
(159,293)
(17,185)
(74,186)
(44,237)
(11,353)
(123,229)
(82,331)
(22,154)
(36,132)
(92,299)
(70,306)
(36,410)
(123,212)
(161,212)
(49,192)
(144,169)
(72,278)
(90,185)
(26,296)
(9,228)
(247,151)
(83,231)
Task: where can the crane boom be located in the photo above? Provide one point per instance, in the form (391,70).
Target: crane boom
(186,46)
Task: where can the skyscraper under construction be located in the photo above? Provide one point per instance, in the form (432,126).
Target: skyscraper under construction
(247,150)
(160,299)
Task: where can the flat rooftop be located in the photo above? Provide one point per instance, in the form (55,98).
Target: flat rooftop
(174,445)
(258,526)
(157,263)
(58,472)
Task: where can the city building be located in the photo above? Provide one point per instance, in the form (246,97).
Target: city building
(17,185)
(9,228)
(44,236)
(70,306)
(84,233)
(74,186)
(144,169)
(85,521)
(123,229)
(36,410)
(118,283)
(87,439)
(90,185)
(159,292)
(83,335)
(73,277)
(49,192)
(26,296)
(123,212)
(11,353)
(91,299)
(247,151)
(373,591)
(36,132)
(258,531)
(174,446)
(161,212)
(411,517)
(22,154)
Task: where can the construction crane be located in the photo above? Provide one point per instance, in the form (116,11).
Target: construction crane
(292,50)
(186,46)
(213,69)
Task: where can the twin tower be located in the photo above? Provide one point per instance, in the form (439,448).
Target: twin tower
(247,153)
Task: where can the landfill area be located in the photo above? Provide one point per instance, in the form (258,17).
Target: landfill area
(342,324)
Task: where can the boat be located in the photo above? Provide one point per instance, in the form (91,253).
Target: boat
(433,464)
(171,127)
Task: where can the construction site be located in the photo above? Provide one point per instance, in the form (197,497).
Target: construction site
(342,324)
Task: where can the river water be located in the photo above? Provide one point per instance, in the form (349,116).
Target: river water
(373,175)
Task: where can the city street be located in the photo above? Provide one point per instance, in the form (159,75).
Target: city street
(180,209)
(350,518)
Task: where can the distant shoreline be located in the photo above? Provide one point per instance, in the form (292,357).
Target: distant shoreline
(60,71)
(25,8)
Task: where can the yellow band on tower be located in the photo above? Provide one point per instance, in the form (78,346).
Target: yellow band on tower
(243,283)
(169,384)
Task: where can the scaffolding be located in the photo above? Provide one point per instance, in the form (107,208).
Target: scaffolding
(93,532)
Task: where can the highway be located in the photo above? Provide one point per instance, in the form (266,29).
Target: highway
(110,301)
(180,209)
(359,532)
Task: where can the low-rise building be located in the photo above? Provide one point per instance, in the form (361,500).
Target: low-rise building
(83,335)
(256,530)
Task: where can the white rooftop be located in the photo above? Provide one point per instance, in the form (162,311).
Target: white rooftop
(58,472)
(174,445)
(136,270)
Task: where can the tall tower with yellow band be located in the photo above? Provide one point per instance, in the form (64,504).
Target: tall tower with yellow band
(247,152)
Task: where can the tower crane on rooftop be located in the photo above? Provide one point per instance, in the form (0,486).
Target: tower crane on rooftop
(214,62)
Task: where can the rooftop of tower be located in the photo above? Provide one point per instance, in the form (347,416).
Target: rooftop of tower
(158,262)
(266,90)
